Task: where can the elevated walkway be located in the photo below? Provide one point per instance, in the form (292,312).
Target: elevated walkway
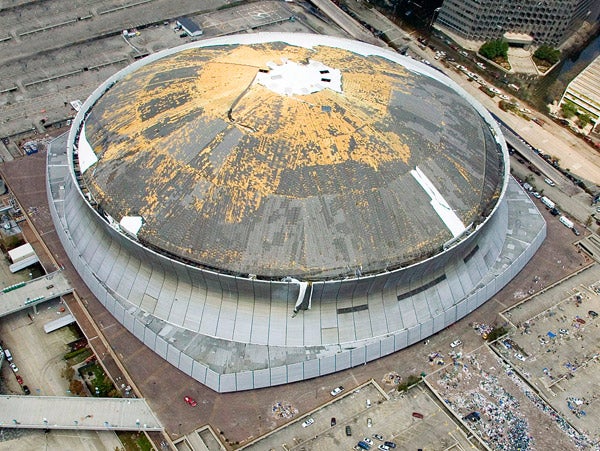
(31,293)
(58,412)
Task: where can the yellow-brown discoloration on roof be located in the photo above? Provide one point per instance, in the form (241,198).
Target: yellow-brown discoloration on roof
(214,161)
(309,136)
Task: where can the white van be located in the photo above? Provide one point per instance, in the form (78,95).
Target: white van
(8,355)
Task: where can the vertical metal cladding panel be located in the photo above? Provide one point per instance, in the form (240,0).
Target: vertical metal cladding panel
(311,368)
(262,291)
(160,347)
(91,248)
(138,329)
(128,320)
(450,316)
(186,364)
(128,279)
(227,383)
(401,340)
(262,378)
(426,329)
(378,284)
(229,305)
(282,292)
(414,334)
(199,372)
(261,315)
(461,309)
(295,372)
(439,322)
(279,375)
(330,291)
(327,364)
(173,355)
(345,293)
(212,380)
(317,292)
(342,360)
(387,345)
(244,380)
(362,288)
(119,312)
(472,302)
(358,356)
(149,338)
(375,350)
(112,254)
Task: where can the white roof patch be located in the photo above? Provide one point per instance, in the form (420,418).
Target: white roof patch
(439,204)
(131,224)
(86,154)
(291,78)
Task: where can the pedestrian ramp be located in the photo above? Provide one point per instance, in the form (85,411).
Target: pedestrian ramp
(30,293)
(69,412)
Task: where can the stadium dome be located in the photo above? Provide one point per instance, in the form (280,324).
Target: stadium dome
(284,160)
(221,188)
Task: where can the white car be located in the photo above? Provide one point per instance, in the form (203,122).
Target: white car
(337,390)
(520,357)
(308,422)
(455,343)
(368,441)
(14,367)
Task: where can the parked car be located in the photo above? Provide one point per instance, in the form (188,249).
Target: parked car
(14,367)
(592,313)
(333,421)
(455,343)
(308,422)
(369,422)
(26,389)
(368,441)
(337,390)
(348,431)
(19,379)
(383,448)
(191,401)
(378,437)
(520,357)
(391,445)
(368,403)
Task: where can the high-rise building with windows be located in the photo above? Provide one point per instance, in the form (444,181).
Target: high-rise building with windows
(549,22)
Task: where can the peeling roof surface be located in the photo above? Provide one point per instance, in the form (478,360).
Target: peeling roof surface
(232,171)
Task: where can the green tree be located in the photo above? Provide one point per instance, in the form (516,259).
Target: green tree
(494,49)
(568,109)
(584,119)
(548,54)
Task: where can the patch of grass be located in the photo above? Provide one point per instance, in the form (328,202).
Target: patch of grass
(410,381)
(133,441)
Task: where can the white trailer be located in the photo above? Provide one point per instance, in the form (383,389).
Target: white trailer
(548,203)
(566,221)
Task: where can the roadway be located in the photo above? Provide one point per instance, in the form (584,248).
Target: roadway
(58,412)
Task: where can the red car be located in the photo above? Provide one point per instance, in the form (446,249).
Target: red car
(190,401)
(19,379)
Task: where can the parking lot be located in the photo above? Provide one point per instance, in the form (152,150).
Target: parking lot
(559,341)
(57,53)
(369,412)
